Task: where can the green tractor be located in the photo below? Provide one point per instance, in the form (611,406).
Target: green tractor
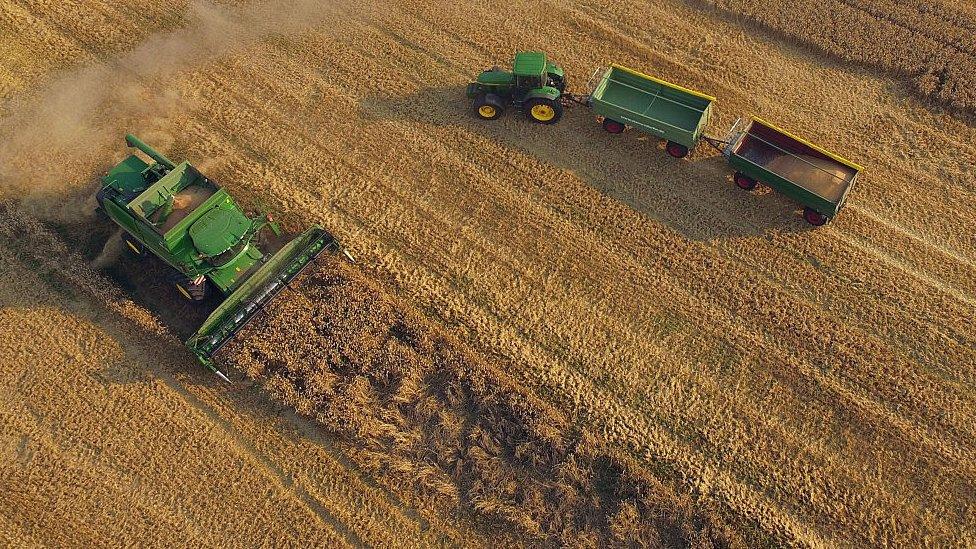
(534,85)
(177,214)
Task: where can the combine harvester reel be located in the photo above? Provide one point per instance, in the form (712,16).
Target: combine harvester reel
(177,214)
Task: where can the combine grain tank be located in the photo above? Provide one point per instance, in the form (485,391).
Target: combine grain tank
(625,97)
(817,179)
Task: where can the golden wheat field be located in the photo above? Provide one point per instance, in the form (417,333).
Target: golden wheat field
(551,335)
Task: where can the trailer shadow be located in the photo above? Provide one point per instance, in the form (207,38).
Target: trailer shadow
(693,196)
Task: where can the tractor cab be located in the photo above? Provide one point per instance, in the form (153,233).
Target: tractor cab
(529,70)
(534,86)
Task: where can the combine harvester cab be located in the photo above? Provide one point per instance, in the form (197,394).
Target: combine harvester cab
(194,226)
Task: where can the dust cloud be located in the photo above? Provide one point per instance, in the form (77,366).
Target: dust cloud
(55,142)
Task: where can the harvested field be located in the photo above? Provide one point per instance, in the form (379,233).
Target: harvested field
(768,381)
(107,438)
(415,404)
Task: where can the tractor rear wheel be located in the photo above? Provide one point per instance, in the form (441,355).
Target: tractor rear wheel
(676,150)
(543,110)
(134,247)
(814,217)
(744,182)
(488,107)
(612,126)
(195,292)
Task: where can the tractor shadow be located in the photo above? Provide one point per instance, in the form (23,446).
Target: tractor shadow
(694,196)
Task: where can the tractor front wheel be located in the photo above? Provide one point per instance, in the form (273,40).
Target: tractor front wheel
(543,110)
(612,126)
(676,150)
(814,217)
(190,290)
(489,107)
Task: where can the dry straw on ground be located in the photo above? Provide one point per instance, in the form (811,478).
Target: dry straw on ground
(420,408)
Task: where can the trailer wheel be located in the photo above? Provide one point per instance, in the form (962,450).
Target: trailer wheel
(489,107)
(612,126)
(744,182)
(191,291)
(543,110)
(814,217)
(134,247)
(677,150)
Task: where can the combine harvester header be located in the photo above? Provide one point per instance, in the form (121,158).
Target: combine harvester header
(177,214)
(625,98)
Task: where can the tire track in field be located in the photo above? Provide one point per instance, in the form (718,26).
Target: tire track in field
(293,485)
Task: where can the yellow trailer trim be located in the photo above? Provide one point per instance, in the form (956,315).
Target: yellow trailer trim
(838,158)
(662,82)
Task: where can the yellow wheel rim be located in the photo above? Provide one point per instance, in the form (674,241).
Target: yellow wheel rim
(183,291)
(133,247)
(486,111)
(543,112)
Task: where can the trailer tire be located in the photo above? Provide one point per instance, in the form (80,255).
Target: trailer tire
(744,182)
(133,246)
(542,110)
(814,217)
(677,150)
(488,107)
(612,126)
(193,293)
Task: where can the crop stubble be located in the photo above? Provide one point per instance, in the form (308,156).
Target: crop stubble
(415,404)
(819,383)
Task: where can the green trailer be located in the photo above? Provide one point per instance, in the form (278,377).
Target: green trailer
(818,179)
(177,214)
(623,97)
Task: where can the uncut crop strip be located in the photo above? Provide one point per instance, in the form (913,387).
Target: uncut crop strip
(515,309)
(418,407)
(932,43)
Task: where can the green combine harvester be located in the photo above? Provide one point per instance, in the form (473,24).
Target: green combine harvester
(176,213)
(534,85)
